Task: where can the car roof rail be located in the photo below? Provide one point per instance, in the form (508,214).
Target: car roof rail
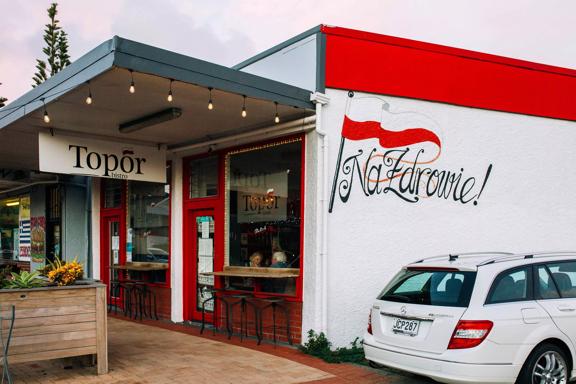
(456,256)
(527,255)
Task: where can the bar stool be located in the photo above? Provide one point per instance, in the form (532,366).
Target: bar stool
(244,301)
(146,299)
(274,303)
(217,295)
(123,290)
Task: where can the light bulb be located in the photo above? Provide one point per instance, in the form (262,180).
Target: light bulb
(244,112)
(89,99)
(132,88)
(210,105)
(170,98)
(46,117)
(277,119)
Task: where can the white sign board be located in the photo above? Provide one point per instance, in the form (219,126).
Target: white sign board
(89,157)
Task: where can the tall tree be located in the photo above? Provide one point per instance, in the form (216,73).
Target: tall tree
(56,49)
(3,100)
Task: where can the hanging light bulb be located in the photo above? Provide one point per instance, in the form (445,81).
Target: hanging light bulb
(170,97)
(46,116)
(276,117)
(132,88)
(89,98)
(244,113)
(210,105)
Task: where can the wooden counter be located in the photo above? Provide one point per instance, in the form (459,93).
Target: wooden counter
(56,322)
(141,267)
(265,273)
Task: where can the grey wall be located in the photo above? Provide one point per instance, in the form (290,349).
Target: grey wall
(75,217)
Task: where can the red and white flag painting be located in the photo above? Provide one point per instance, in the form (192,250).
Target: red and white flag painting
(371,118)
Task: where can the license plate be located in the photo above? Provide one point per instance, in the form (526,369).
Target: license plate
(405,327)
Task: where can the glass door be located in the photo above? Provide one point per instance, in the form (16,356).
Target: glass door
(202,255)
(111,255)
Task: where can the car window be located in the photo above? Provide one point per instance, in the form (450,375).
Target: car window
(546,286)
(511,285)
(431,287)
(564,276)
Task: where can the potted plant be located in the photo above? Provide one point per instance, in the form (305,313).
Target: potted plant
(55,317)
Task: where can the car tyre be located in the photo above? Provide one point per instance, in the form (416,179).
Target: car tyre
(546,364)
(375,365)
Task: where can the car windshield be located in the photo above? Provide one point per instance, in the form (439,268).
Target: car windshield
(447,288)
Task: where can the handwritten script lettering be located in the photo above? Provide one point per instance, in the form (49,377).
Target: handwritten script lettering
(410,180)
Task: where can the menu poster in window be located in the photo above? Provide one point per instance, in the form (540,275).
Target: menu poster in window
(129,246)
(24,229)
(38,239)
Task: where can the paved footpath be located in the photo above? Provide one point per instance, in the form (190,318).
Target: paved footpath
(171,354)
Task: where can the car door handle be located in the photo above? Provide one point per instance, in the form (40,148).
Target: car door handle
(565,308)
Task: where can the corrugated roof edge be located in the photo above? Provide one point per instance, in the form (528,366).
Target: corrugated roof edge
(124,53)
(437,48)
(49,88)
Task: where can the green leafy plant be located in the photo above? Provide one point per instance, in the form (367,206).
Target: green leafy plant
(24,280)
(56,49)
(318,345)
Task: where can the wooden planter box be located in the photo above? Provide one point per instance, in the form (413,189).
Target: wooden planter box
(56,322)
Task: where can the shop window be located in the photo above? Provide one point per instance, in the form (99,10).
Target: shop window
(9,228)
(203,177)
(112,191)
(148,237)
(264,194)
(53,223)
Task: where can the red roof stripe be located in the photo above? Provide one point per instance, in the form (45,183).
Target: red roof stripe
(381,64)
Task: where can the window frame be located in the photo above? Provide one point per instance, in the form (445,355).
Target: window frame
(529,285)
(257,291)
(558,291)
(122,210)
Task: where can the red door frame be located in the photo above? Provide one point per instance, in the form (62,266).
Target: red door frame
(105,219)
(214,204)
(190,258)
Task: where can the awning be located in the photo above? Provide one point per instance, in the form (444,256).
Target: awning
(106,73)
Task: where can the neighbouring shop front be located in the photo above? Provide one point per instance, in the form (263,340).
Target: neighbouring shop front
(42,217)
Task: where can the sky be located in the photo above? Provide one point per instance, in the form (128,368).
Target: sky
(228,31)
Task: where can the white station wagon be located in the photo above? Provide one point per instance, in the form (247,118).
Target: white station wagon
(479,318)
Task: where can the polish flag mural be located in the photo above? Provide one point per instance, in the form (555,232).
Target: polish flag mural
(371,118)
(395,155)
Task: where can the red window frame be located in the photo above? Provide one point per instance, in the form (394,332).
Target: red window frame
(122,211)
(217,202)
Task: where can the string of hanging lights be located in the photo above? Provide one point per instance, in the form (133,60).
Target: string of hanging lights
(132,89)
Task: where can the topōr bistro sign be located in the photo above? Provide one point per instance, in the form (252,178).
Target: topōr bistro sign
(89,157)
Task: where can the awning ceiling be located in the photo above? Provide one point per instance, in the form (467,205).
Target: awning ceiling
(107,69)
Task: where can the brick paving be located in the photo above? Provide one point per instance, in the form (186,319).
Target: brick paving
(140,353)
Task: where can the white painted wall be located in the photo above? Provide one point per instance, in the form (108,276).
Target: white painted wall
(95,228)
(527,203)
(294,65)
(176,251)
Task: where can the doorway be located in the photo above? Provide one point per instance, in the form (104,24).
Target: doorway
(200,257)
(111,254)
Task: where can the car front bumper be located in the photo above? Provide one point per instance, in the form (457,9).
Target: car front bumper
(444,371)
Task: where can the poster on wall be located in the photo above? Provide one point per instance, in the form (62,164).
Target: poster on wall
(38,236)
(24,229)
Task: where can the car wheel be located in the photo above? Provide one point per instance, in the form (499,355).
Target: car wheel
(547,364)
(375,365)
